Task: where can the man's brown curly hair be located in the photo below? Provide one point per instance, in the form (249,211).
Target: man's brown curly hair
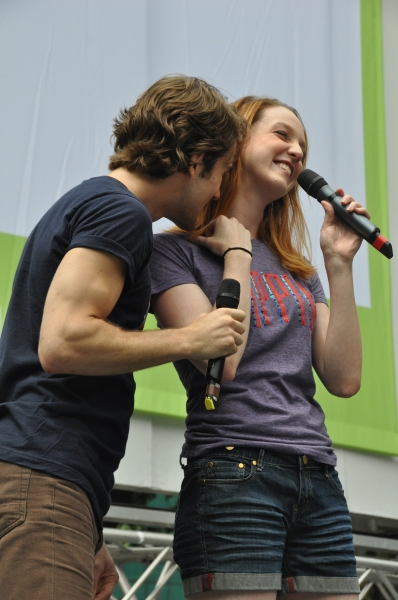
(176,117)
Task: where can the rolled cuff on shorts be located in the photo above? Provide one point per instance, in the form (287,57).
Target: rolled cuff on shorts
(212,582)
(320,585)
(269,582)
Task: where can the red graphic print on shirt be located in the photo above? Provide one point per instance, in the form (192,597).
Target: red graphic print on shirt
(269,287)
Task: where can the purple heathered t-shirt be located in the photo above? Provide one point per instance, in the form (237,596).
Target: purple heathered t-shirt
(270,403)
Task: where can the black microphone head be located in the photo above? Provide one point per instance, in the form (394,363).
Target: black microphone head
(228,294)
(311,182)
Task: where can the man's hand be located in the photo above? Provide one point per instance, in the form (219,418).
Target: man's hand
(105,575)
(214,334)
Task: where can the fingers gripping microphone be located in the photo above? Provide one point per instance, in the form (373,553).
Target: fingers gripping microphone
(316,186)
(227,297)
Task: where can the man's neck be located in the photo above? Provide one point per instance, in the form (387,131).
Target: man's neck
(152,192)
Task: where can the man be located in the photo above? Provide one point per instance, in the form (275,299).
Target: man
(72,336)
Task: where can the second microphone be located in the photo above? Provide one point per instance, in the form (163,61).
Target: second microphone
(227,297)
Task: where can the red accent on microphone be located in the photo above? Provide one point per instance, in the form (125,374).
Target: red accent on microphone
(379,242)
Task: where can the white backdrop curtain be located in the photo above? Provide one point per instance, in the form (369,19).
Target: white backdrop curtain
(68,67)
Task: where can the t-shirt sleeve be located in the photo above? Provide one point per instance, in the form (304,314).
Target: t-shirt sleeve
(116,224)
(317,290)
(171,263)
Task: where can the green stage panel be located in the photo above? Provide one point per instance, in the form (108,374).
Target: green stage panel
(159,390)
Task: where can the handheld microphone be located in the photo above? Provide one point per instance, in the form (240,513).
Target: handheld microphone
(316,186)
(227,297)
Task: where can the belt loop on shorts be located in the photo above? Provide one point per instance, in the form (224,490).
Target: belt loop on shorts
(326,470)
(260,460)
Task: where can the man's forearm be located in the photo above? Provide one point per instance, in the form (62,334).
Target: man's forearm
(96,347)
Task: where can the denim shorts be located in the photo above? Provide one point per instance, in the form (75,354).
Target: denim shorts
(249,519)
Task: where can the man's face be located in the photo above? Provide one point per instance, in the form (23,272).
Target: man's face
(200,188)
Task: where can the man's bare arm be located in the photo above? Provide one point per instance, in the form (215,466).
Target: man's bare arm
(75,337)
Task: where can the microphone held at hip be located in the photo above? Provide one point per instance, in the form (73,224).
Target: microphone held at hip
(317,187)
(227,297)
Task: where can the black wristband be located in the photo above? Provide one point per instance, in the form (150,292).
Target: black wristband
(238,248)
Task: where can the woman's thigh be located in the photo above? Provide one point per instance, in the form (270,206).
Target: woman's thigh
(47,537)
(319,557)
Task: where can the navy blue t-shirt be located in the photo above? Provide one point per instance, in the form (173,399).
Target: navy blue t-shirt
(73,427)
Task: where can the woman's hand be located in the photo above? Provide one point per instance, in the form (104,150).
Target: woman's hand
(224,233)
(337,240)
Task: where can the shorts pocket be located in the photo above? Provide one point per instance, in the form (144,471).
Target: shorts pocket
(335,482)
(14,482)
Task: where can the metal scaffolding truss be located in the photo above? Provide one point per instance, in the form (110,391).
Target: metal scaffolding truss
(139,546)
(378,574)
(375,571)
(154,548)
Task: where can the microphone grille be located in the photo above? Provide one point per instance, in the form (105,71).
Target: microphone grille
(228,294)
(311,182)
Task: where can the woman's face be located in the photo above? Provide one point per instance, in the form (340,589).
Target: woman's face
(273,158)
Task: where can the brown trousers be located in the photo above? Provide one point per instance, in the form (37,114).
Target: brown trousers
(48,537)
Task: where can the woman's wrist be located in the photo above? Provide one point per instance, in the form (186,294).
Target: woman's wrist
(339,273)
(338,264)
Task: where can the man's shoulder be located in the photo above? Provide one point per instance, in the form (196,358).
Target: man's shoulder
(104,186)
(101,197)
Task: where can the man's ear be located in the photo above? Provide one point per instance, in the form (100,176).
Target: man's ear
(196,166)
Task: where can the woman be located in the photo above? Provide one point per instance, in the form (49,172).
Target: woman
(261,507)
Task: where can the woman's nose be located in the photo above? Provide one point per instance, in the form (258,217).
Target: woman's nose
(296,151)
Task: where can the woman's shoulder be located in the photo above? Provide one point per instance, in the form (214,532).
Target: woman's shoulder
(181,243)
(171,238)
